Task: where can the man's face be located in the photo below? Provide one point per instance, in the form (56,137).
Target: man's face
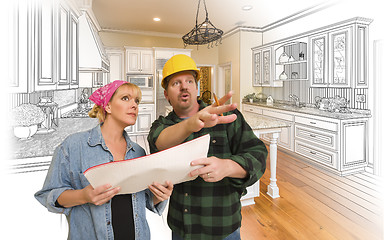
(182,92)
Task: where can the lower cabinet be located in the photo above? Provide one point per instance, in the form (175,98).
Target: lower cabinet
(144,120)
(339,146)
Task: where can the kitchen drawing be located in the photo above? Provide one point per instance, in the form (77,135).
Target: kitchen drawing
(314,69)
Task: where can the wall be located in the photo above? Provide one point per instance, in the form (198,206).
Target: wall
(229,53)
(248,40)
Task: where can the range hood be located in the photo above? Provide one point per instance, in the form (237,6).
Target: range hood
(92,55)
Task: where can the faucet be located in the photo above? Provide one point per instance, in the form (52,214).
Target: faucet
(295,99)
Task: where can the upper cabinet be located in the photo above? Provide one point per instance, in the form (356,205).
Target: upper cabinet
(45,46)
(263,69)
(339,55)
(139,60)
(116,63)
(291,61)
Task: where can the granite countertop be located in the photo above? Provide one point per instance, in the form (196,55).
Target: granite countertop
(257,122)
(354,113)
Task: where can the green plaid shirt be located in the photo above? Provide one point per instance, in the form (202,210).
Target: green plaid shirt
(203,210)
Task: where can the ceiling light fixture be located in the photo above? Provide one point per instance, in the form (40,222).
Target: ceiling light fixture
(156,19)
(204,33)
(246,7)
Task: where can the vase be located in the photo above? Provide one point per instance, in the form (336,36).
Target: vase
(23,132)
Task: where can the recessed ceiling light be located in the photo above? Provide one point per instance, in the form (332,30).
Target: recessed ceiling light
(246,7)
(156,19)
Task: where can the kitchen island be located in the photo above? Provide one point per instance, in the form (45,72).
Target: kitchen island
(264,125)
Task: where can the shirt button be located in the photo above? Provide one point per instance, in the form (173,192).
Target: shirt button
(186,194)
(186,210)
(109,223)
(213,141)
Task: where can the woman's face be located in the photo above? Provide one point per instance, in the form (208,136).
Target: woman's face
(124,106)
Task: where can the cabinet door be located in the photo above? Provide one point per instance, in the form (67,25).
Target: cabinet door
(64,47)
(133,61)
(146,62)
(74,66)
(318,58)
(257,69)
(45,51)
(19,46)
(266,79)
(116,65)
(340,58)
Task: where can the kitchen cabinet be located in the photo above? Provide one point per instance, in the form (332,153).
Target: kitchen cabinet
(144,120)
(337,145)
(116,63)
(139,60)
(291,61)
(339,55)
(263,69)
(44,46)
(19,50)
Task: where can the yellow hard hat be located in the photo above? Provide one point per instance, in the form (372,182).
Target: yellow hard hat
(179,63)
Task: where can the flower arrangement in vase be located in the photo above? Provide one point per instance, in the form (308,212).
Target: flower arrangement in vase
(26,118)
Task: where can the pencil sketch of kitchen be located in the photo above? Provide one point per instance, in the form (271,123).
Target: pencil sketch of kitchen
(320,69)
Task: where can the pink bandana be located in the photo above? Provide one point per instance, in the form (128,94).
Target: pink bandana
(102,95)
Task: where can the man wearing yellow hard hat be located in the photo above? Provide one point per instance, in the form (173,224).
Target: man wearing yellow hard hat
(208,207)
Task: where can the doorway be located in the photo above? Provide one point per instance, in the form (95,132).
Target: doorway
(224,83)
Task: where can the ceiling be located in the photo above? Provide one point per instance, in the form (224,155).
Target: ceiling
(179,16)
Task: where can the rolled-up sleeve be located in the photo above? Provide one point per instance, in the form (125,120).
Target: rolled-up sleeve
(248,151)
(56,182)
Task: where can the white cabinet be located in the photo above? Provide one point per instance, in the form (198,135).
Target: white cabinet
(339,56)
(44,46)
(116,63)
(139,60)
(144,120)
(340,146)
(263,68)
(19,47)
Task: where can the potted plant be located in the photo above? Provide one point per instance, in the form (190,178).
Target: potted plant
(251,97)
(26,117)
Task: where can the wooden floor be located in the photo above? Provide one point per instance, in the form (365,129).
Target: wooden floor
(313,204)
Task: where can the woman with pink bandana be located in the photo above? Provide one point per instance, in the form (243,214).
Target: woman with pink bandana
(99,213)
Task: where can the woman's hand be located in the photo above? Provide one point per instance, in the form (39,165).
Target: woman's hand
(99,195)
(160,192)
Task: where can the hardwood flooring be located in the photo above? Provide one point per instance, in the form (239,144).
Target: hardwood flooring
(313,204)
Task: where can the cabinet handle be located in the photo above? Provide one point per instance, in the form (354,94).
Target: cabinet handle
(312,152)
(251,110)
(312,135)
(312,122)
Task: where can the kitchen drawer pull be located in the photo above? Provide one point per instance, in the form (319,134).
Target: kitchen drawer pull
(312,122)
(312,152)
(312,135)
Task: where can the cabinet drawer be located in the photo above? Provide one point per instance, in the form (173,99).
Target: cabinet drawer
(317,123)
(279,115)
(252,109)
(328,158)
(146,107)
(319,137)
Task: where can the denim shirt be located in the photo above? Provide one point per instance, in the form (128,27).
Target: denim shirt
(76,154)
